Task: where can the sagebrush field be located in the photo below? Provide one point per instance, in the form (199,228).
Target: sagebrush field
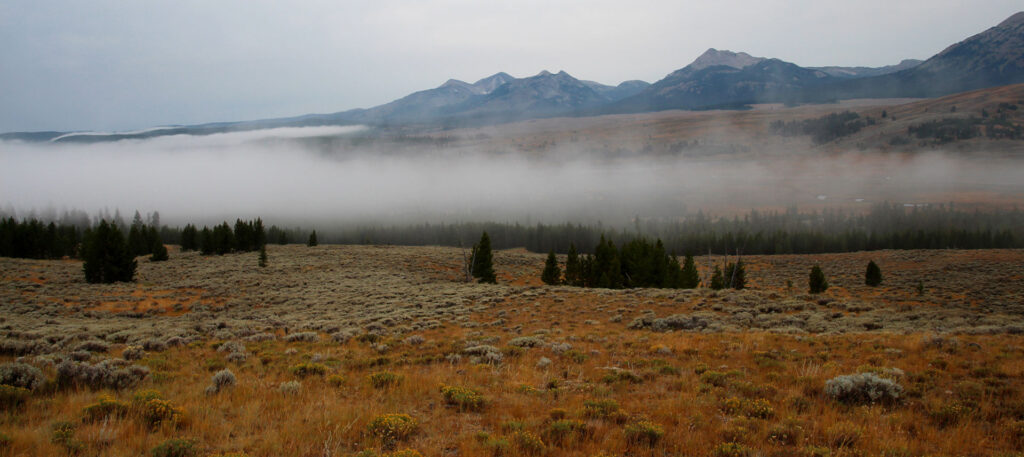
(372,350)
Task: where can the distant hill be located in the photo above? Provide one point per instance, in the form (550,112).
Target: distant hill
(864,72)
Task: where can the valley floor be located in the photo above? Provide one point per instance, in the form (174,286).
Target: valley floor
(325,343)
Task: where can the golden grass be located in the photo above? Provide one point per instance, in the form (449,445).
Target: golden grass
(607,390)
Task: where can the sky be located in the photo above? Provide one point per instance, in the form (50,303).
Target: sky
(120,65)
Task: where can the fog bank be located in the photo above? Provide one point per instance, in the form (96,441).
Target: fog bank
(275,175)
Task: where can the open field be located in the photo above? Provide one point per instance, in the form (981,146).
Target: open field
(312,342)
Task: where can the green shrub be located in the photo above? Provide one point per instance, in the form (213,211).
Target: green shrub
(105,407)
(622,377)
(732,450)
(405,453)
(176,447)
(644,433)
(336,380)
(12,397)
(63,435)
(384,379)
(156,412)
(393,427)
(600,409)
(303,370)
(464,398)
(528,443)
(562,431)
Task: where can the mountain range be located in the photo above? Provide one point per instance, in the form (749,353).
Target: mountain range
(717,79)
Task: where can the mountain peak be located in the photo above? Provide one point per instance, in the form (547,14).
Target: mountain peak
(544,73)
(488,84)
(1013,20)
(713,57)
(454,82)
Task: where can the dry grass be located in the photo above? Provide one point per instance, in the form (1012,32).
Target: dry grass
(749,382)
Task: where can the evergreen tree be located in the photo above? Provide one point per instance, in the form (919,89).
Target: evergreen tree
(735,275)
(207,244)
(552,275)
(136,239)
(873,275)
(312,239)
(674,274)
(106,255)
(282,238)
(189,238)
(690,277)
(717,283)
(483,268)
(263,256)
(572,267)
(259,234)
(817,282)
(159,250)
(223,239)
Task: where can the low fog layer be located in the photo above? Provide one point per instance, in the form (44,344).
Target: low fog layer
(276,175)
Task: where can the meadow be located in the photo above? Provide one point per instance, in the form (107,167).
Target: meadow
(379,350)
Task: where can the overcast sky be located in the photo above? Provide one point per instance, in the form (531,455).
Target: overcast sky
(118,65)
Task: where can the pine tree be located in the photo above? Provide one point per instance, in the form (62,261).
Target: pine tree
(207,244)
(674,274)
(873,275)
(483,268)
(189,238)
(572,267)
(717,283)
(735,275)
(263,256)
(552,275)
(106,255)
(159,250)
(691,277)
(817,282)
(312,239)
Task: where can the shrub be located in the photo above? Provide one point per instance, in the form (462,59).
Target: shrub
(404,453)
(949,413)
(308,337)
(303,370)
(788,433)
(289,388)
(622,376)
(599,409)
(63,435)
(562,431)
(103,375)
(155,345)
(231,346)
(715,378)
(526,342)
(176,447)
(528,443)
(644,433)
(133,353)
(392,427)
(105,407)
(21,375)
(336,380)
(384,379)
(92,346)
(221,380)
(464,398)
(12,397)
(5,441)
(155,412)
(732,450)
(864,388)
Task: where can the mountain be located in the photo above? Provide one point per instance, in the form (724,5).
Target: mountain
(991,58)
(864,72)
(546,94)
(723,79)
(616,93)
